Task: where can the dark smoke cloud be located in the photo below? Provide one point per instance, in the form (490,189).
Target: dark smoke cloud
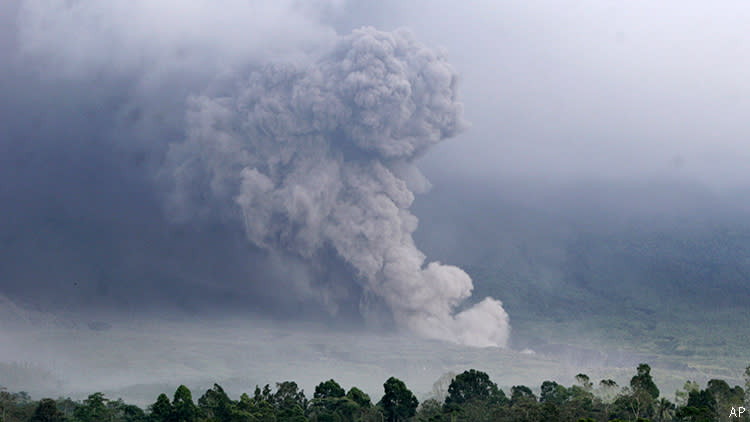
(162,153)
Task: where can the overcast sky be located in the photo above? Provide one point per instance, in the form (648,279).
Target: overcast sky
(591,89)
(561,89)
(95,97)
(140,168)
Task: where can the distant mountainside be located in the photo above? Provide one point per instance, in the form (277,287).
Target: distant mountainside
(608,274)
(634,251)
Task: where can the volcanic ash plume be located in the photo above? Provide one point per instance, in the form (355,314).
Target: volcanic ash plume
(321,156)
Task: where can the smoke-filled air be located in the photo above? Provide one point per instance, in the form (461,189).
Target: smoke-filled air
(209,156)
(246,192)
(319,157)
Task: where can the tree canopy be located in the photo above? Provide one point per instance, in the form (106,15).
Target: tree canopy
(472,397)
(398,402)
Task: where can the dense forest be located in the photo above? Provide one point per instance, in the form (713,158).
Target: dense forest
(469,396)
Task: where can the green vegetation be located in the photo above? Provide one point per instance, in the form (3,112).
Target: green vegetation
(471,397)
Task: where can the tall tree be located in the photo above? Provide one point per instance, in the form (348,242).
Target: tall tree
(580,401)
(288,394)
(523,405)
(552,392)
(430,410)
(642,381)
(473,385)
(607,393)
(701,407)
(521,392)
(328,389)
(726,396)
(360,397)
(258,408)
(215,404)
(183,408)
(47,411)
(681,396)
(94,409)
(329,403)
(161,411)
(398,402)
(290,402)
(665,409)
(123,412)
(584,382)
(640,398)
(6,403)
(67,406)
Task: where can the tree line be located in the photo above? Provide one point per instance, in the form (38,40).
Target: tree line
(470,396)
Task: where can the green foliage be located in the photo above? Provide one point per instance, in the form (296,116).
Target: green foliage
(584,382)
(473,385)
(549,412)
(330,404)
(372,414)
(67,406)
(94,409)
(640,399)
(290,402)
(664,410)
(606,394)
(360,397)
(258,408)
(430,410)
(726,396)
(215,405)
(47,411)
(472,397)
(183,408)
(520,393)
(123,412)
(642,381)
(15,407)
(398,402)
(161,411)
(701,407)
(681,396)
(328,389)
(553,393)
(289,395)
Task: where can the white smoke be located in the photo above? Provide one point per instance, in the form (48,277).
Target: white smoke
(320,155)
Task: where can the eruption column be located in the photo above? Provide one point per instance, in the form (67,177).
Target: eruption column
(322,155)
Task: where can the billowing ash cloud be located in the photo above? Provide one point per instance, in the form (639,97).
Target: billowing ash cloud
(202,155)
(319,156)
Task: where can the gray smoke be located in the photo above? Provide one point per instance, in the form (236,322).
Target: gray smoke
(320,155)
(283,161)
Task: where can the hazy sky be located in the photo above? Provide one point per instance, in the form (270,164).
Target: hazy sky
(94,99)
(591,89)
(112,112)
(562,89)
